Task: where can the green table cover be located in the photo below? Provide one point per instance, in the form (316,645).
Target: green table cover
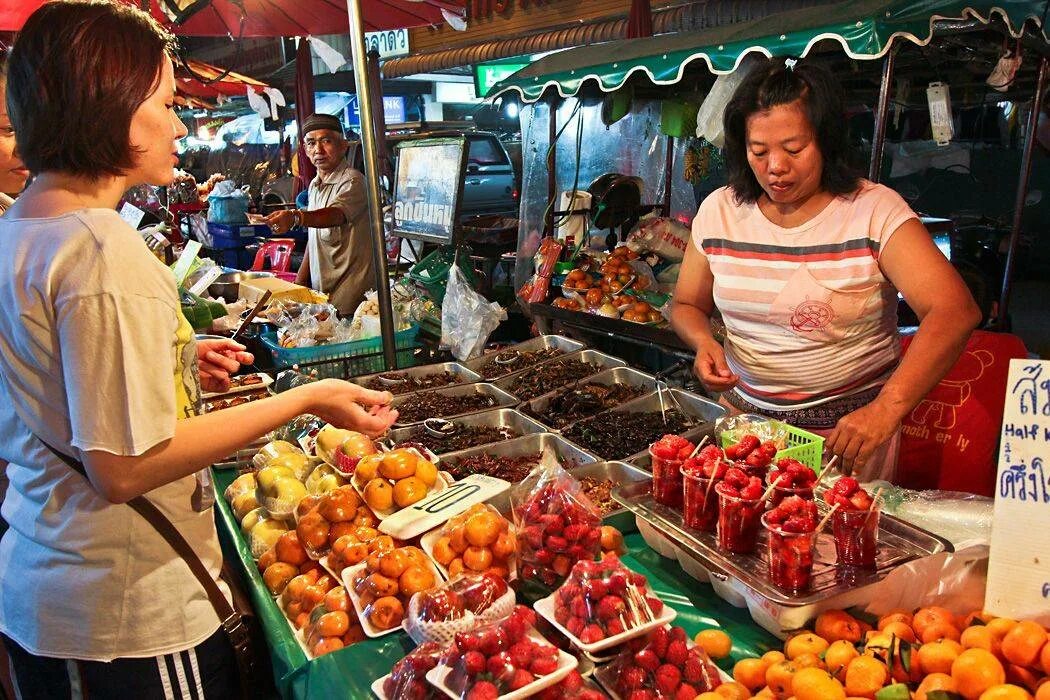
(349,672)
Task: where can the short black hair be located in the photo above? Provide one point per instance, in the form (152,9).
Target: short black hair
(775,83)
(77,73)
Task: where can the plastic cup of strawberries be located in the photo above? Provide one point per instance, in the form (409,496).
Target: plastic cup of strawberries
(662,665)
(855,524)
(791,527)
(667,455)
(792,478)
(556,527)
(740,506)
(602,603)
(508,658)
(700,509)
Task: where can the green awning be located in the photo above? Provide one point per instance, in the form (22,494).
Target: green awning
(865,28)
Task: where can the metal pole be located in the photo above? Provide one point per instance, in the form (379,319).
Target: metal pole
(552,161)
(878,142)
(668,176)
(1022,191)
(375,210)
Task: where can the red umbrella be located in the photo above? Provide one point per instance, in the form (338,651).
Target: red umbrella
(273,17)
(202,80)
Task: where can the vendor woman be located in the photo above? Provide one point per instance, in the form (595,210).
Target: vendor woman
(803,259)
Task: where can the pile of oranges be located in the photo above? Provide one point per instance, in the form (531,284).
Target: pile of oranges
(394,480)
(477,541)
(905,656)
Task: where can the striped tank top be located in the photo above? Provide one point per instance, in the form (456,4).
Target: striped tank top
(809,316)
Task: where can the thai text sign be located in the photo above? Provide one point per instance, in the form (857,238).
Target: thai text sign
(427,188)
(1019,562)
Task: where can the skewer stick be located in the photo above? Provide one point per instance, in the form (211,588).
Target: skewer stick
(698,446)
(772,486)
(827,470)
(663,412)
(827,518)
(874,502)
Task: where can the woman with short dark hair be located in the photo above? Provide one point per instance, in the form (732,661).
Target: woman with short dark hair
(803,259)
(98,363)
(13,172)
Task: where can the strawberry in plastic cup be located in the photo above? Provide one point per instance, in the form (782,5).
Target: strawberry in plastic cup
(667,455)
(792,533)
(700,510)
(753,455)
(739,509)
(792,478)
(855,524)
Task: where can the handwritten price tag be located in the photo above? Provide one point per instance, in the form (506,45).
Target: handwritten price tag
(1019,561)
(442,505)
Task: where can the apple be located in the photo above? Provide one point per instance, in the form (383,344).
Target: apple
(329,440)
(441,606)
(273,449)
(298,463)
(357,445)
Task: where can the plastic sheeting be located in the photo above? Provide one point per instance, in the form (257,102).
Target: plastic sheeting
(631,146)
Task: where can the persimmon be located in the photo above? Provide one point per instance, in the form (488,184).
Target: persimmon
(290,550)
(386,613)
(333,624)
(415,579)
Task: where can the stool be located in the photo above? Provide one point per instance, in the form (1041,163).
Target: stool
(279,253)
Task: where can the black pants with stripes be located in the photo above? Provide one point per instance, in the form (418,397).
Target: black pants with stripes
(207,671)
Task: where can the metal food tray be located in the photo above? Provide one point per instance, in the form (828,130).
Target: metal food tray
(566,345)
(491,418)
(503,399)
(691,404)
(621,473)
(899,543)
(564,450)
(601,359)
(609,377)
(464,374)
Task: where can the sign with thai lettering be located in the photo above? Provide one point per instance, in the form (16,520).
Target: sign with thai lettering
(1019,561)
(427,188)
(393,42)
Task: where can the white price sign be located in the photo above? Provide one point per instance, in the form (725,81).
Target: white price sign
(1019,560)
(388,44)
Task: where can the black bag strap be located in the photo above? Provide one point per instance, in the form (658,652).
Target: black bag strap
(232,622)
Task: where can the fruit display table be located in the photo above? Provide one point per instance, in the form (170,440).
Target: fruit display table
(350,672)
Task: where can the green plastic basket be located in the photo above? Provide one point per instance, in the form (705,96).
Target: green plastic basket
(432,271)
(802,445)
(344,360)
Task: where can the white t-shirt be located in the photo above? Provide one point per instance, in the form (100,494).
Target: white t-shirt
(96,355)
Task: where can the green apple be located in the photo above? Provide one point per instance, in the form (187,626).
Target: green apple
(298,463)
(271,450)
(289,491)
(252,519)
(329,440)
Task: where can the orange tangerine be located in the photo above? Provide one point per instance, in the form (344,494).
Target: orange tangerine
(980,637)
(477,558)
(838,656)
(1044,659)
(975,671)
(816,684)
(1000,626)
(1043,691)
(772,657)
(935,681)
(455,568)
(1024,677)
(937,657)
(809,660)
(1006,691)
(709,695)
(504,546)
(895,616)
(1024,643)
(716,643)
(732,691)
(834,625)
(926,616)
(443,552)
(900,630)
(939,630)
(865,675)
(458,540)
(779,678)
(482,529)
(803,643)
(750,673)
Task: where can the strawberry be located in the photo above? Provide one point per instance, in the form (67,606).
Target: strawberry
(644,694)
(656,605)
(617,583)
(544,665)
(677,634)
(847,486)
(552,523)
(474,663)
(520,679)
(753,489)
(562,615)
(591,633)
(610,607)
(557,544)
(659,639)
(483,690)
(631,678)
(569,591)
(514,628)
(521,654)
(647,659)
(677,653)
(575,626)
(668,678)
(544,556)
(575,532)
(595,589)
(711,452)
(860,500)
(573,681)
(499,663)
(614,627)
(685,692)
(526,614)
(589,694)
(468,641)
(494,642)
(693,671)
(532,535)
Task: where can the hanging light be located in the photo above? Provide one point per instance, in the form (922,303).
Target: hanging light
(178,11)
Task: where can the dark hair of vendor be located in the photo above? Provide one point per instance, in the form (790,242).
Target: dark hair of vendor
(77,73)
(775,83)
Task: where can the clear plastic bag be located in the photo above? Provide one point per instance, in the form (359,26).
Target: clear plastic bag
(407,680)
(557,525)
(458,606)
(467,318)
(475,541)
(665,662)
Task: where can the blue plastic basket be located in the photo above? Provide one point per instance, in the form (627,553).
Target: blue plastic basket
(344,360)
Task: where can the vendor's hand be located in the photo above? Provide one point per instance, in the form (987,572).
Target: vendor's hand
(280,221)
(711,368)
(350,406)
(217,359)
(858,434)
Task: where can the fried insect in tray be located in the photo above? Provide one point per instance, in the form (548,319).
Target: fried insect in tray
(512,469)
(464,437)
(399,383)
(508,361)
(620,435)
(550,376)
(599,491)
(432,405)
(578,402)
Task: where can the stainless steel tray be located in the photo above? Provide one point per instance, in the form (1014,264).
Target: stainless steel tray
(691,404)
(620,472)
(899,543)
(492,418)
(503,399)
(590,356)
(542,342)
(462,373)
(537,407)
